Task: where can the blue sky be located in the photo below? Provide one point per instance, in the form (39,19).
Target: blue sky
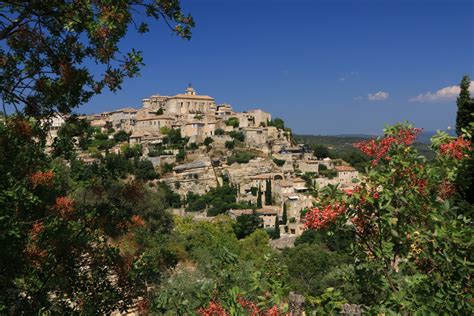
(325,67)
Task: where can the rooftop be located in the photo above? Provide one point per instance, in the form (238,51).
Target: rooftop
(344,168)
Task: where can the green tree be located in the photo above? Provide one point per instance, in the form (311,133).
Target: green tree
(121,136)
(101,136)
(219,132)
(134,151)
(239,136)
(259,198)
(241,157)
(144,170)
(208,141)
(233,121)
(45,50)
(229,144)
(75,133)
(268,192)
(465,105)
(278,123)
(276,233)
(412,241)
(279,162)
(310,268)
(284,218)
(245,225)
(181,155)
(56,238)
(321,151)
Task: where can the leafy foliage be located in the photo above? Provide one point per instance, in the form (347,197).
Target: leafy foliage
(412,242)
(465,107)
(45,49)
(238,136)
(233,121)
(245,225)
(241,156)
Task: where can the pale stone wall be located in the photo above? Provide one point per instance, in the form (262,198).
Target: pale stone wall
(308,166)
(346,177)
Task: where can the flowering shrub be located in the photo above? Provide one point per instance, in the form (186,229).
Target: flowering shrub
(456,148)
(37,228)
(214,309)
(137,221)
(379,149)
(42,178)
(317,218)
(64,206)
(413,242)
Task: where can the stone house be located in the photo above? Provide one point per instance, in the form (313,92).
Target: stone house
(260,117)
(198,130)
(296,229)
(309,166)
(268,215)
(346,174)
(153,123)
(283,187)
(121,119)
(55,123)
(224,111)
(189,102)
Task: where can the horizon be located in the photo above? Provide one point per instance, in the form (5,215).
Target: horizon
(324,67)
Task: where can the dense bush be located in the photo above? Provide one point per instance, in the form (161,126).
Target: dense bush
(144,170)
(241,157)
(121,136)
(219,132)
(238,136)
(413,243)
(233,121)
(230,144)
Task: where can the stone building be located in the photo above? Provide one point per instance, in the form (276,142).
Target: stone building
(268,215)
(153,123)
(121,119)
(55,123)
(181,105)
(346,174)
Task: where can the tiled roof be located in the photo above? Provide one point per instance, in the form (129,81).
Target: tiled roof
(344,168)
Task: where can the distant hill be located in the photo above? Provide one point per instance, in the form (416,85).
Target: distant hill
(425,136)
(345,143)
(333,142)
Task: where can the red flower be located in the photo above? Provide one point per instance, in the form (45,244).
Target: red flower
(318,218)
(456,148)
(375,196)
(64,206)
(378,149)
(137,221)
(214,309)
(37,228)
(249,306)
(273,311)
(446,189)
(42,178)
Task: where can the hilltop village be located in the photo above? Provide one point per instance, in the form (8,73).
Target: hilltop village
(198,147)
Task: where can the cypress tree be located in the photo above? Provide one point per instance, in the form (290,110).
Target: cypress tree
(464,119)
(259,198)
(277,228)
(268,192)
(465,107)
(284,217)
